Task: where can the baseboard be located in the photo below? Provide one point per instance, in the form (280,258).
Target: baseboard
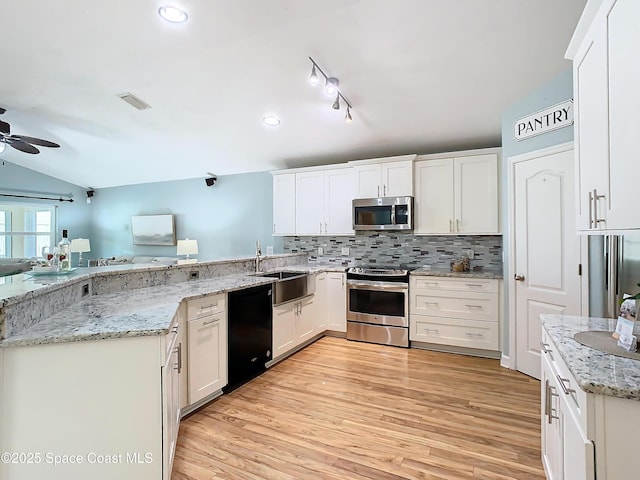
(472,352)
(505,361)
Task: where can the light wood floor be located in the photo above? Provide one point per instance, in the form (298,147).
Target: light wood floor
(350,410)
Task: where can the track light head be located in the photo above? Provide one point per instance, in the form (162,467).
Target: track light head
(347,117)
(210,181)
(331,87)
(313,78)
(336,104)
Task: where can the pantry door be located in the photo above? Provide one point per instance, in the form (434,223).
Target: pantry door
(545,249)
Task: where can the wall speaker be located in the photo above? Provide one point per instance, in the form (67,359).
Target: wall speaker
(210,181)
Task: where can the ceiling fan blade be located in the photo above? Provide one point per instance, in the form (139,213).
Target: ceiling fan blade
(36,141)
(4,127)
(21,145)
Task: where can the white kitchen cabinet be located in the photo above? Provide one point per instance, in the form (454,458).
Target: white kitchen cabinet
(606,72)
(457,195)
(293,324)
(456,312)
(323,202)
(183,351)
(384,178)
(336,306)
(320,302)
(113,397)
(551,425)
(170,400)
(284,204)
(207,330)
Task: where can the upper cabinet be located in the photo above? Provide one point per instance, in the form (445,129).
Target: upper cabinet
(606,70)
(323,202)
(384,177)
(284,204)
(457,194)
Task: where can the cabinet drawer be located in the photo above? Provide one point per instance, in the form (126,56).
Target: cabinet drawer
(454,331)
(208,305)
(468,305)
(419,282)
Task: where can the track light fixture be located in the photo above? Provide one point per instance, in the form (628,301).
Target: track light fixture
(331,88)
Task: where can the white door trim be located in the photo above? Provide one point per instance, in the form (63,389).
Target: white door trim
(510,360)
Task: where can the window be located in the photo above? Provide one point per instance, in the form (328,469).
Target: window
(26,229)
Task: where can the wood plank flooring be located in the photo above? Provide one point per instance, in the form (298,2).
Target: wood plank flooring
(351,410)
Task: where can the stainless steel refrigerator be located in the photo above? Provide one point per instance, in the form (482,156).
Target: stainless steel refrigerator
(614,269)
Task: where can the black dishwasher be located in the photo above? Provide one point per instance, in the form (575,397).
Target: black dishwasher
(249,335)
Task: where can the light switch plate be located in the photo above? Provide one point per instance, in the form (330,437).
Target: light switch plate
(270,250)
(320,251)
(469,253)
(345,251)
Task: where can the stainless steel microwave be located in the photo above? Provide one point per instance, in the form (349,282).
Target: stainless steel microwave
(386,213)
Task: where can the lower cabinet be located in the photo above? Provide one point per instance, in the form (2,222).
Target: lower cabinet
(455,312)
(207,332)
(110,407)
(336,305)
(293,324)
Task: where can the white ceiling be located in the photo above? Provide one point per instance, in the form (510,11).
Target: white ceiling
(423,76)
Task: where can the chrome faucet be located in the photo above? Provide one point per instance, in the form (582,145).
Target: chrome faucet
(258,253)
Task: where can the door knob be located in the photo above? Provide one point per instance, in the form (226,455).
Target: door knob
(518,278)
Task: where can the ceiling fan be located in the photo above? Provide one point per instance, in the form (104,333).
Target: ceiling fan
(21,142)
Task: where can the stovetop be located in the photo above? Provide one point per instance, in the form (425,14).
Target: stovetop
(382,272)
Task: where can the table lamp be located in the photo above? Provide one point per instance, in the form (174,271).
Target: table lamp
(187,247)
(80,245)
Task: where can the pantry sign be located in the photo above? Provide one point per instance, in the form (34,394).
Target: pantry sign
(543,121)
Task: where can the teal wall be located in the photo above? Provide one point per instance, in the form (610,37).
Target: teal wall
(225,219)
(75,216)
(556,90)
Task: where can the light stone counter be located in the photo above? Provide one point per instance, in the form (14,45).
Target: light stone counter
(427,271)
(131,311)
(595,371)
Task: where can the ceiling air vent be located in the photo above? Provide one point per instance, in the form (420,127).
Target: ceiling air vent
(134,101)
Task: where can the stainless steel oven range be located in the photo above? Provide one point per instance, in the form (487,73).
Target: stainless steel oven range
(378,305)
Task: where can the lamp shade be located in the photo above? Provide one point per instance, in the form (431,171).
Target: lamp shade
(187,247)
(80,245)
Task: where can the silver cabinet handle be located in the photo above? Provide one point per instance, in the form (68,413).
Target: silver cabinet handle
(320,227)
(591,209)
(475,285)
(325,227)
(175,329)
(473,306)
(431,330)
(274,228)
(469,334)
(562,381)
(450,225)
(544,348)
(384,190)
(518,278)
(179,352)
(209,322)
(208,307)
(597,197)
(378,190)
(549,410)
(457,225)
(431,303)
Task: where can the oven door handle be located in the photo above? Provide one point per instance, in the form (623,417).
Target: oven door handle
(378,285)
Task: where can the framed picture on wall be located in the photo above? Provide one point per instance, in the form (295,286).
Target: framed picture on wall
(153,230)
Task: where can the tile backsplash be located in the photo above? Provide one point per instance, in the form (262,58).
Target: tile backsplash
(396,248)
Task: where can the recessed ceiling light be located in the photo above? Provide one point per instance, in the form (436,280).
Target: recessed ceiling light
(173,14)
(271,120)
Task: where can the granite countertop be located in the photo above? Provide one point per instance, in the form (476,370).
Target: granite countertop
(442,272)
(139,312)
(595,371)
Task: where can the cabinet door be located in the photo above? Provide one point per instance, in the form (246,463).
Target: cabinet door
(368,180)
(336,302)
(476,194)
(305,320)
(182,356)
(551,425)
(578,452)
(284,329)
(170,409)
(591,129)
(339,193)
(284,204)
(207,356)
(624,108)
(320,303)
(397,179)
(310,203)
(434,196)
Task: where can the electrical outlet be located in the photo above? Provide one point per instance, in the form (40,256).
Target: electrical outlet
(85,289)
(270,250)
(194,275)
(345,251)
(469,253)
(320,251)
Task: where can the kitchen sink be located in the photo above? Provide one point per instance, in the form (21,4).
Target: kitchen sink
(280,275)
(290,286)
